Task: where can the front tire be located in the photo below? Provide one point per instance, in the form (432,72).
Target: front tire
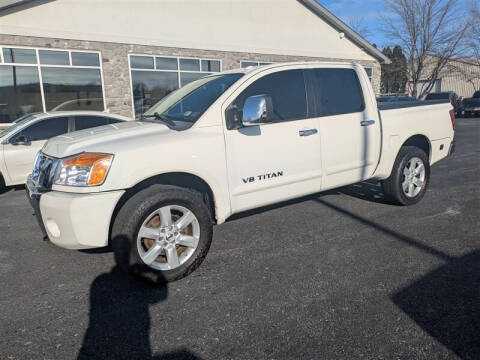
(3,188)
(162,233)
(409,178)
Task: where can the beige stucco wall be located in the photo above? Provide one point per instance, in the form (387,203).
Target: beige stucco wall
(116,73)
(280,27)
(463,76)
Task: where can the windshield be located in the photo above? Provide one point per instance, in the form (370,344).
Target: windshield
(476,95)
(17,124)
(184,106)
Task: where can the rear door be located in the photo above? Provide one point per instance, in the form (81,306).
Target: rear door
(279,160)
(348,124)
(19,158)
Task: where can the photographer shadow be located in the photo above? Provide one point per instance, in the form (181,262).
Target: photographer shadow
(119,318)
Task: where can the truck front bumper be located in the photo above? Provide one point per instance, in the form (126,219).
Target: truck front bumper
(74,221)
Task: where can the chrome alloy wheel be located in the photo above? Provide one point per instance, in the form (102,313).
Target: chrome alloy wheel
(168,237)
(413,178)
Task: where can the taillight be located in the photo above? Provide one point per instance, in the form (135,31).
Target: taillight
(452,118)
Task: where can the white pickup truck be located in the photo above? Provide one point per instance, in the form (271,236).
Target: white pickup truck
(226,143)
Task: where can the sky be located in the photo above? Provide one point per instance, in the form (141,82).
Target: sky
(366,12)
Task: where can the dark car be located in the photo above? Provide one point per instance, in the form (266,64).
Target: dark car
(471,107)
(450,96)
(395,98)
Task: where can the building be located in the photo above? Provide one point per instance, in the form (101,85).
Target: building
(461,75)
(123,56)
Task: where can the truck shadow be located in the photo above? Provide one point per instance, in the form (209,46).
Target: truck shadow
(119,318)
(446,304)
(446,301)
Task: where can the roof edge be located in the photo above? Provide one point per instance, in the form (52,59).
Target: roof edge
(351,34)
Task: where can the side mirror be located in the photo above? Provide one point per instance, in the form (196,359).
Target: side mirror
(21,140)
(257,109)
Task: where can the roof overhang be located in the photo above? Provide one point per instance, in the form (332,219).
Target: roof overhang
(340,26)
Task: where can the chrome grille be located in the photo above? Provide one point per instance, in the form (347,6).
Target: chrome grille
(44,171)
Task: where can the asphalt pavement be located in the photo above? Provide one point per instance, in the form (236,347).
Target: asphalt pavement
(338,275)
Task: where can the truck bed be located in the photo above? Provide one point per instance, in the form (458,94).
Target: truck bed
(407,104)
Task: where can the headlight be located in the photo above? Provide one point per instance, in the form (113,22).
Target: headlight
(86,169)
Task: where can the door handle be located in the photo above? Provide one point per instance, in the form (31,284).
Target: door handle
(367,122)
(307,132)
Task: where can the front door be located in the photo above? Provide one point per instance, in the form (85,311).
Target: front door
(19,157)
(278,160)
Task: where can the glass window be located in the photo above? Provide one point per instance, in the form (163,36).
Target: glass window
(45,129)
(141,62)
(166,63)
(66,86)
(151,86)
(85,59)
(185,106)
(190,64)
(186,77)
(336,91)
(23,56)
(287,90)
(211,65)
(87,121)
(245,64)
(19,92)
(51,57)
(168,74)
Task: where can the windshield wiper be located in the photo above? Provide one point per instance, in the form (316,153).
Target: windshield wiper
(162,118)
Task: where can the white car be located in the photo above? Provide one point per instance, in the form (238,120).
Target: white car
(224,144)
(20,142)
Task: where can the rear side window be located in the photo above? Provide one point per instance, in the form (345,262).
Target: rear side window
(87,122)
(45,129)
(287,90)
(336,91)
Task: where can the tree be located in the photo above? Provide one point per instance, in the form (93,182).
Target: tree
(424,28)
(358,24)
(386,77)
(473,35)
(394,75)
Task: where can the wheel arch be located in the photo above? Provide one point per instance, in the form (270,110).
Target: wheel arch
(182,179)
(420,141)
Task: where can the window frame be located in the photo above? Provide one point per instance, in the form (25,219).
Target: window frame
(312,103)
(257,63)
(371,72)
(261,75)
(38,65)
(178,71)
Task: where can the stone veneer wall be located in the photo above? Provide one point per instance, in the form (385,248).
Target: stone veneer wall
(116,73)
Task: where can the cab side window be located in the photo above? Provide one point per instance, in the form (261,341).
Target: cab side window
(336,91)
(87,122)
(45,129)
(287,91)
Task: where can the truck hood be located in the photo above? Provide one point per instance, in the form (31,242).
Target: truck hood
(109,138)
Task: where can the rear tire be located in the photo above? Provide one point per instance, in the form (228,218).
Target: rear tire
(173,249)
(409,178)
